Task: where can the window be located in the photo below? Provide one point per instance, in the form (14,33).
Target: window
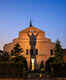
(51,52)
(26,51)
(36,51)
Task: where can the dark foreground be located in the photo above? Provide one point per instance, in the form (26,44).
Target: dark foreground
(34,76)
(33,79)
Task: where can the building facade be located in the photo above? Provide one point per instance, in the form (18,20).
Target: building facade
(43,44)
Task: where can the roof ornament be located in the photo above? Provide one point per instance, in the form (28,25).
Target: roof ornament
(30,22)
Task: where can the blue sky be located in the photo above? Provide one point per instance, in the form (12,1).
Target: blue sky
(48,15)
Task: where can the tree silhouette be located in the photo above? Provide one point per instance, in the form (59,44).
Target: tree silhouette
(58,52)
(4,56)
(18,59)
(16,50)
(42,66)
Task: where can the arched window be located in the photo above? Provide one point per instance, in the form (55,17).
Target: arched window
(26,51)
(36,51)
(51,52)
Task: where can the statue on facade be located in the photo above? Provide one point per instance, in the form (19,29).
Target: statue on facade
(32,42)
(32,39)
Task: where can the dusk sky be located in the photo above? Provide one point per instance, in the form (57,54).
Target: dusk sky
(47,15)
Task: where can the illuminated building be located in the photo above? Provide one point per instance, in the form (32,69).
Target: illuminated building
(43,45)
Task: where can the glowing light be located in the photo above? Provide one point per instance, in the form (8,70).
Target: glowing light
(32,64)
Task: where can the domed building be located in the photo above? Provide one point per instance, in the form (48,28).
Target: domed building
(43,44)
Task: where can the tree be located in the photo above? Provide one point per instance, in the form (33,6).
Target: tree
(16,53)
(50,63)
(4,57)
(42,69)
(58,52)
(16,50)
(17,59)
(20,61)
